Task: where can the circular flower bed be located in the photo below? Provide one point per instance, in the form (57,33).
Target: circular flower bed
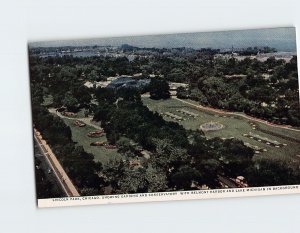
(211,126)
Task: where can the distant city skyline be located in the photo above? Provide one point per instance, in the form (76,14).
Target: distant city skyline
(283,39)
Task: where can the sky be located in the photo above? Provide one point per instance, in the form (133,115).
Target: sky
(283,39)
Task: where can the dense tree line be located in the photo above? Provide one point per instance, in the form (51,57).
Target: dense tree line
(159,89)
(267,90)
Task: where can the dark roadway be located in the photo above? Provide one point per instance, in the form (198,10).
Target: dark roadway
(47,185)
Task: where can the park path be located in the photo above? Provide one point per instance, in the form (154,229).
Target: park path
(86,120)
(237,114)
(57,169)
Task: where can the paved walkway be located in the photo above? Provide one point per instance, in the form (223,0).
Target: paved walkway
(238,114)
(57,169)
(86,120)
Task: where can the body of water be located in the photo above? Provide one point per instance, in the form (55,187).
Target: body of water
(283,39)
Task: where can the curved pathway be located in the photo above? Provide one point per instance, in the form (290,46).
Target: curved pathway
(86,120)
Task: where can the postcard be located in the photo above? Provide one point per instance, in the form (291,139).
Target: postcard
(165,117)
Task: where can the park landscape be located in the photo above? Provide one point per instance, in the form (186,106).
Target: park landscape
(125,118)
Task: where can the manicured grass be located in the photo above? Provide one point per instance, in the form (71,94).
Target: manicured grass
(79,135)
(234,127)
(282,131)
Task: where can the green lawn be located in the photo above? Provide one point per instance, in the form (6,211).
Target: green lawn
(79,135)
(234,127)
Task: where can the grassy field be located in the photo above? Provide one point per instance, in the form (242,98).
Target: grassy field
(234,127)
(285,132)
(79,135)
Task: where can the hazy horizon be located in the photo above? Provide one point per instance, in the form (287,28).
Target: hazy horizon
(283,39)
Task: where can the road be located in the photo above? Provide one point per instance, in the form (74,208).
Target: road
(237,114)
(42,167)
(63,179)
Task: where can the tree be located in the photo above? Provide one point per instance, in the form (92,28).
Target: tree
(168,156)
(134,181)
(159,89)
(93,76)
(234,155)
(114,172)
(70,102)
(183,178)
(157,180)
(216,91)
(82,168)
(198,95)
(176,75)
(124,145)
(198,146)
(182,93)
(129,94)
(112,135)
(82,95)
(267,172)
(105,95)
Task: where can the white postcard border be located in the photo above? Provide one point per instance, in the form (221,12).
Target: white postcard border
(169,196)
